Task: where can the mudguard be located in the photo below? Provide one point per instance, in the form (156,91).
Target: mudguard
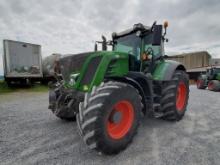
(165,69)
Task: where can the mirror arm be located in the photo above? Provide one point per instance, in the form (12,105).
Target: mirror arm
(165,32)
(152,27)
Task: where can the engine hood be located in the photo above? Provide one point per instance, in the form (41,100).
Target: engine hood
(72,63)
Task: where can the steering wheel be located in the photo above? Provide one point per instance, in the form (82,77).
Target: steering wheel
(147,63)
(150,51)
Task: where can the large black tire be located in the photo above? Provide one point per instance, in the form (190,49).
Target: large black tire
(97,113)
(200,83)
(175,96)
(214,85)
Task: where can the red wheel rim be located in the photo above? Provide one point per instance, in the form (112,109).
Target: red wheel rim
(199,83)
(181,96)
(119,129)
(210,85)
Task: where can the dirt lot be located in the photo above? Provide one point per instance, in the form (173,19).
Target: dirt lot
(31,134)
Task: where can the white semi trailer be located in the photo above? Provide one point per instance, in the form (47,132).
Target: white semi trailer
(22,62)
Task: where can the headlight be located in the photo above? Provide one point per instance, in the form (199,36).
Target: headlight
(72,81)
(73,78)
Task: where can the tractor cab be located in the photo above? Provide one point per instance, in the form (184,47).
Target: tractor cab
(143,44)
(212,72)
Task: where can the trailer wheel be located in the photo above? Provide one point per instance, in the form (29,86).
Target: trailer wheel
(175,96)
(214,85)
(109,117)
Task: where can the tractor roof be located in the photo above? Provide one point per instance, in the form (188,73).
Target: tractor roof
(135,28)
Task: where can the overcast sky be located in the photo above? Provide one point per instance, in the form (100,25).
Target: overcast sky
(71,26)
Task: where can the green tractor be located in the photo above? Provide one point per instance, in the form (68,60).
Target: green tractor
(210,79)
(108,91)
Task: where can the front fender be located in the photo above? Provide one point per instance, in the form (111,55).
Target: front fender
(165,69)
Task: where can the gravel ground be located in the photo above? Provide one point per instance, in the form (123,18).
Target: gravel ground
(31,134)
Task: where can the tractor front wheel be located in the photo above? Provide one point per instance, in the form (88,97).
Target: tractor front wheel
(109,117)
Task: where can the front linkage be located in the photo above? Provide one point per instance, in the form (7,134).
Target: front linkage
(63,102)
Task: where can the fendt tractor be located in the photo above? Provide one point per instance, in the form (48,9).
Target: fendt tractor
(210,79)
(108,91)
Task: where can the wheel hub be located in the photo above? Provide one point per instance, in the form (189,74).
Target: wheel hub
(181,96)
(120,119)
(115,117)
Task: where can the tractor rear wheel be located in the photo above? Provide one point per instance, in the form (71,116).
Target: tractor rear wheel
(109,117)
(214,85)
(175,96)
(200,83)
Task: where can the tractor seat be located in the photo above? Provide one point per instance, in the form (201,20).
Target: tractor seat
(134,64)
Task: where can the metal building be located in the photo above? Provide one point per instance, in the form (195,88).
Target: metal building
(195,63)
(193,60)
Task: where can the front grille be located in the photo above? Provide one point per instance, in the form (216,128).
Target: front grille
(90,72)
(111,67)
(72,63)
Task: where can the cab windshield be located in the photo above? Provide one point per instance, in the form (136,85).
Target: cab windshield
(130,44)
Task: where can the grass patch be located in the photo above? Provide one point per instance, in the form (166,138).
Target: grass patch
(4,87)
(16,88)
(39,88)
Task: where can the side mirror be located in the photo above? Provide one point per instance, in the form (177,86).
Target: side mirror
(157,35)
(96,47)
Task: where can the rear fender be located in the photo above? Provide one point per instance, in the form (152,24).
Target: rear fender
(165,69)
(218,76)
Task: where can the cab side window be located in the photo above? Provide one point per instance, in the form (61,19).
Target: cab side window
(148,44)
